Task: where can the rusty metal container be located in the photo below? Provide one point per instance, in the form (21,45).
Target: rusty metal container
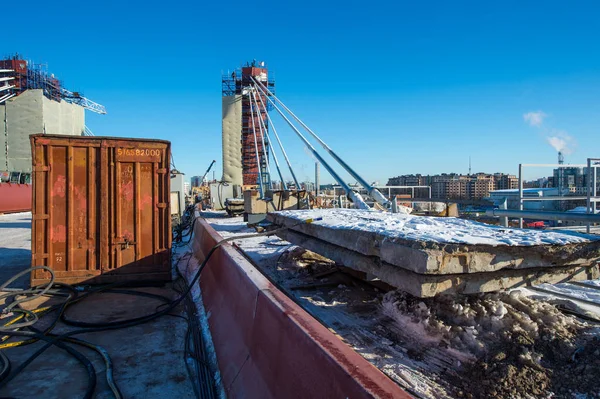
(100,209)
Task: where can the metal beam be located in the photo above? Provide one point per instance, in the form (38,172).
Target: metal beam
(554,165)
(581,217)
(356,198)
(7,97)
(556,198)
(373,192)
(7,78)
(86,103)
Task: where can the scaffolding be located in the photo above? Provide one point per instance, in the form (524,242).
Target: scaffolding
(239,82)
(18,75)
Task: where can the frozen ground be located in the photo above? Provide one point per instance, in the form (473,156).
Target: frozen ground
(15,246)
(148,358)
(441,230)
(510,344)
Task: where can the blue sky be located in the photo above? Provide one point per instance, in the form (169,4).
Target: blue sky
(394,87)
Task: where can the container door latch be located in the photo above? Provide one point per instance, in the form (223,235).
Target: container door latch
(125,243)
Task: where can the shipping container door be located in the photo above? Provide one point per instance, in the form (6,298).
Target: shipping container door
(65,217)
(138,241)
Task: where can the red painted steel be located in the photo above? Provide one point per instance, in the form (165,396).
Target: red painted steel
(15,197)
(253,71)
(269,347)
(20,71)
(100,209)
(250,166)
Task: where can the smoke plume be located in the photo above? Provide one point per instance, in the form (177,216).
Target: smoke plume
(558,139)
(562,142)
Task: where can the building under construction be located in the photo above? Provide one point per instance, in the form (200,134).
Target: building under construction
(244,153)
(32,101)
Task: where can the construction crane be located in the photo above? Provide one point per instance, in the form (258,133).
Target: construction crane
(76,98)
(207,170)
(18,75)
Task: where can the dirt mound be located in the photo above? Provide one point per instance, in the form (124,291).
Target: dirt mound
(517,347)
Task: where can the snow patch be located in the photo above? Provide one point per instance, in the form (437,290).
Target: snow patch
(435,229)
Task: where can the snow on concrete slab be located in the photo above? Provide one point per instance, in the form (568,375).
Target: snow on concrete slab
(434,229)
(432,245)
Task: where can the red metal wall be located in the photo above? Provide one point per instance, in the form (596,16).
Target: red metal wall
(249,164)
(269,347)
(20,74)
(100,208)
(15,197)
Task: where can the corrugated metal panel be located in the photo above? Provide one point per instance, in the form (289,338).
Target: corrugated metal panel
(100,209)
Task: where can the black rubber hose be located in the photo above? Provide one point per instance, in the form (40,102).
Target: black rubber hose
(5,365)
(91,371)
(83,324)
(55,340)
(107,361)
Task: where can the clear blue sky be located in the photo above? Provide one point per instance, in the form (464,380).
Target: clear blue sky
(394,87)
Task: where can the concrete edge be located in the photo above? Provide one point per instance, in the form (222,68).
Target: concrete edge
(429,285)
(270,346)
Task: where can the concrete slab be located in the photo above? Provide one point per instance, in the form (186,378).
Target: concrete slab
(402,242)
(429,285)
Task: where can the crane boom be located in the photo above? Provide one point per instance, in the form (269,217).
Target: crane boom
(76,98)
(207,170)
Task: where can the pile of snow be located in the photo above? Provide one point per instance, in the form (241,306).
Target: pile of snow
(475,324)
(435,229)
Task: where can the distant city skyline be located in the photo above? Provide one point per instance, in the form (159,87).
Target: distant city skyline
(396,88)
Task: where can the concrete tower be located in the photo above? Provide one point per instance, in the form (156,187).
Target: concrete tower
(241,164)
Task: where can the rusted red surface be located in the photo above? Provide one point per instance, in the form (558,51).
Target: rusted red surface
(250,166)
(269,347)
(20,71)
(15,197)
(100,209)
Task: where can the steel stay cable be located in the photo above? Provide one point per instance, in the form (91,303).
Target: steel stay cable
(372,191)
(344,165)
(262,137)
(266,132)
(262,193)
(287,160)
(309,146)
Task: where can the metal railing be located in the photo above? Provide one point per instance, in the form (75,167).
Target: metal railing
(592,186)
(592,163)
(391,190)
